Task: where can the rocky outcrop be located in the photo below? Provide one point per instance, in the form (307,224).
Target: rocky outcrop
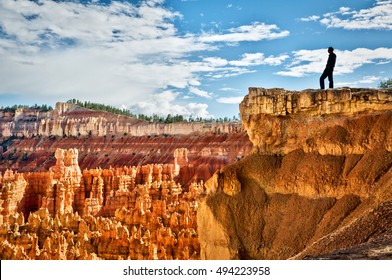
(280,121)
(318,181)
(136,212)
(12,194)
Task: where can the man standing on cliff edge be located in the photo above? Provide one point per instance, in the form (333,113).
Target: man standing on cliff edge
(328,71)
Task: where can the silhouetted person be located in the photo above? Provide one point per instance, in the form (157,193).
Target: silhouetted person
(328,71)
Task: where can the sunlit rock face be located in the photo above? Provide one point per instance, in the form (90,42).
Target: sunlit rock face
(317,121)
(318,181)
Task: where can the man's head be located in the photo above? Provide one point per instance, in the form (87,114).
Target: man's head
(330,50)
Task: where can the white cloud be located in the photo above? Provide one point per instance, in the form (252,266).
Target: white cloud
(247,60)
(346,84)
(50,22)
(365,80)
(307,62)
(370,79)
(311,18)
(165,103)
(377,17)
(345,10)
(230,100)
(229,89)
(351,60)
(216,61)
(252,59)
(118,53)
(54,51)
(255,32)
(200,92)
(231,72)
(198,110)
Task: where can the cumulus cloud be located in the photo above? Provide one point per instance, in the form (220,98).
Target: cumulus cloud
(166,102)
(216,61)
(363,81)
(311,18)
(252,59)
(351,60)
(230,100)
(48,23)
(306,62)
(229,72)
(229,89)
(255,32)
(377,17)
(116,53)
(92,51)
(247,60)
(370,79)
(200,92)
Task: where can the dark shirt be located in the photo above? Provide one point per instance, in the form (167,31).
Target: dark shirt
(331,61)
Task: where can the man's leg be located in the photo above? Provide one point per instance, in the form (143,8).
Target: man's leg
(322,78)
(330,79)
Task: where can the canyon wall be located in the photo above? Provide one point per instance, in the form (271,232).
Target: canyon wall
(205,153)
(29,139)
(71,120)
(135,212)
(318,183)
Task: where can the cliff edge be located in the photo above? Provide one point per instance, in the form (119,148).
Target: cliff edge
(317,184)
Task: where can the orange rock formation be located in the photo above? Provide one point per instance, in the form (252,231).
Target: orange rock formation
(137,212)
(318,181)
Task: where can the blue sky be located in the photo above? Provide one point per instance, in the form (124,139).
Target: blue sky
(189,57)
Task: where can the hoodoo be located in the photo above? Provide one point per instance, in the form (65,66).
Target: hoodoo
(134,212)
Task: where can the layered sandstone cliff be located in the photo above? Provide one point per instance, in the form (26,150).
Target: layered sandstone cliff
(29,139)
(318,182)
(134,212)
(71,120)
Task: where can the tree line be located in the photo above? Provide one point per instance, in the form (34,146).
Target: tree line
(40,108)
(154,118)
(385,84)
